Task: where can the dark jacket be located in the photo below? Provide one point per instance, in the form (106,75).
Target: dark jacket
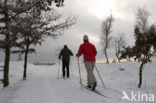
(65,54)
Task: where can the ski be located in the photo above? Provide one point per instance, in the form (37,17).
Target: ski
(95,91)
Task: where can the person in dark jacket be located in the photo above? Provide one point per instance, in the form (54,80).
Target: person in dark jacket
(89,53)
(65,55)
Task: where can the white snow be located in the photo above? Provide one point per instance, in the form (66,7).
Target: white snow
(43,86)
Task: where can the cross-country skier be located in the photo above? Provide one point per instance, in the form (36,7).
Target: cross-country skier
(65,55)
(89,52)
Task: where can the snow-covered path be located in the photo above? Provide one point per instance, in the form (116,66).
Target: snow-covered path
(43,86)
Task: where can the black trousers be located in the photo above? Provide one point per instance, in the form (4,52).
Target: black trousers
(65,68)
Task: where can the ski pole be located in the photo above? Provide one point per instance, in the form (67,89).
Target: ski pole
(99,76)
(71,69)
(58,69)
(79,72)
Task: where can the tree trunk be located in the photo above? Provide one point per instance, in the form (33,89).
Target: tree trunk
(117,57)
(7,49)
(140,75)
(19,57)
(25,62)
(106,55)
(117,54)
(6,67)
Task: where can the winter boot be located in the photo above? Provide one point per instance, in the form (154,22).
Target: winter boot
(94,86)
(89,86)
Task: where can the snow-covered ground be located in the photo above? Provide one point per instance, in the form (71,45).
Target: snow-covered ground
(43,86)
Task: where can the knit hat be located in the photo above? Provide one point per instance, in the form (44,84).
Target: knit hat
(65,46)
(85,37)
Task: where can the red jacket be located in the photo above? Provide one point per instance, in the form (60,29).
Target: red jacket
(88,50)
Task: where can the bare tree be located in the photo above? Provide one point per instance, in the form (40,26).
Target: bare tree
(36,27)
(106,38)
(142,16)
(119,43)
(9,10)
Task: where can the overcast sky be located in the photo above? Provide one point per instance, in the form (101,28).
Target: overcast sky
(90,15)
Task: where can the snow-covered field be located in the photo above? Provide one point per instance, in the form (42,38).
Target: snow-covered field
(43,86)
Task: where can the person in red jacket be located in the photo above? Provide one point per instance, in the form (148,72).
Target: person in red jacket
(89,52)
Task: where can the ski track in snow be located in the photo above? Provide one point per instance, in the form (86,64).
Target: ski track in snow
(43,86)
